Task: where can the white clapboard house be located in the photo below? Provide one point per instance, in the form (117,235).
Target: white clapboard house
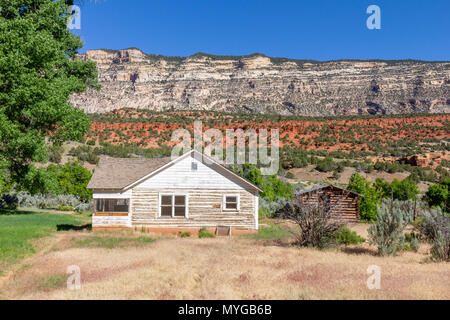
(170,196)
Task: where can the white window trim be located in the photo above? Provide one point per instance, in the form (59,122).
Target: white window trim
(224,203)
(186,202)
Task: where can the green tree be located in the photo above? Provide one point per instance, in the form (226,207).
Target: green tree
(438,195)
(72,178)
(38,73)
(405,189)
(370,196)
(41,180)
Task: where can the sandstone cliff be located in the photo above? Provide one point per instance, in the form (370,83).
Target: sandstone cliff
(259,84)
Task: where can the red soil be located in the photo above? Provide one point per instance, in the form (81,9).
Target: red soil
(331,135)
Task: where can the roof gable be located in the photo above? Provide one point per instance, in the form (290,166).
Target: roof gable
(126,173)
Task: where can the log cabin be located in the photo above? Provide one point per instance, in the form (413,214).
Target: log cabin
(162,195)
(346,202)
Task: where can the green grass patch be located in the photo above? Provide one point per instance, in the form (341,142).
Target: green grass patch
(111,242)
(18,228)
(272,231)
(52,282)
(204,233)
(346,236)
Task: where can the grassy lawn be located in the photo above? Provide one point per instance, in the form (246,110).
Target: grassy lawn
(111,241)
(19,227)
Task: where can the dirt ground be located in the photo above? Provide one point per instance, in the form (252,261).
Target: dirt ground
(224,268)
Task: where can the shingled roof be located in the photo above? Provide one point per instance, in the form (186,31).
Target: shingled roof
(117,173)
(326,186)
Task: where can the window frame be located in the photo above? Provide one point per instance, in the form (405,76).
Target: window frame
(173,205)
(238,202)
(109,212)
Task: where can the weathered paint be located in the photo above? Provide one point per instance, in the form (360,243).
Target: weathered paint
(204,188)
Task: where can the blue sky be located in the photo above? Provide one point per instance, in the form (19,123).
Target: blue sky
(315,29)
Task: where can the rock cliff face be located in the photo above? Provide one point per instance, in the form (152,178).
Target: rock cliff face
(259,84)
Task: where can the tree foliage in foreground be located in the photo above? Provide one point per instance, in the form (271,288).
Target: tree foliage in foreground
(38,73)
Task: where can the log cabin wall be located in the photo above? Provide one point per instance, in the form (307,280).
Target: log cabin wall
(346,209)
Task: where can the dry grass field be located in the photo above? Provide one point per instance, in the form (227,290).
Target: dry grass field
(132,266)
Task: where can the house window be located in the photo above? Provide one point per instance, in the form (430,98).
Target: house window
(112,205)
(173,205)
(231,202)
(194,166)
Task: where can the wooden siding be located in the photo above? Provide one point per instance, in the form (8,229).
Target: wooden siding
(347,209)
(205,208)
(181,176)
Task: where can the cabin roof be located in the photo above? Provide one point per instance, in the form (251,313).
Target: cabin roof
(116,173)
(124,173)
(325,186)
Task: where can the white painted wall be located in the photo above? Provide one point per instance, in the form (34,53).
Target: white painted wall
(180,176)
(111,195)
(111,221)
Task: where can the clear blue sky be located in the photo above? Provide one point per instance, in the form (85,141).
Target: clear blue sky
(314,29)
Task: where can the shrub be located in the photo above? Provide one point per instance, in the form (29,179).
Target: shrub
(290,175)
(185,234)
(346,236)
(204,233)
(411,242)
(387,232)
(65,207)
(51,201)
(327,164)
(9,201)
(316,228)
(84,206)
(55,153)
(336,175)
(270,209)
(435,227)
